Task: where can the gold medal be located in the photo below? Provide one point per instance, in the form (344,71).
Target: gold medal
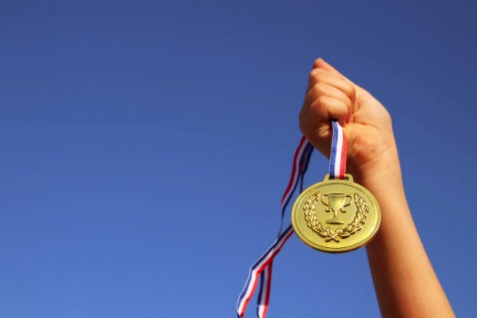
(336,215)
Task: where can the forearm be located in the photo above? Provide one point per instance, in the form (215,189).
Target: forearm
(405,281)
(403,276)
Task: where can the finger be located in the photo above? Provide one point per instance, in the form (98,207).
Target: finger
(320,63)
(315,124)
(325,109)
(325,89)
(319,75)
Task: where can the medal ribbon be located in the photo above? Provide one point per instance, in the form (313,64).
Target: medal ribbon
(339,150)
(300,164)
(262,268)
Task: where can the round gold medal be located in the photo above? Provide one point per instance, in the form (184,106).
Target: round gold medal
(336,215)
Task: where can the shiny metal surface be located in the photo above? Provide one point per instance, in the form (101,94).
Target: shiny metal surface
(336,215)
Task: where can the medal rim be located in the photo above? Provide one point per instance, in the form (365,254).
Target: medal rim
(350,182)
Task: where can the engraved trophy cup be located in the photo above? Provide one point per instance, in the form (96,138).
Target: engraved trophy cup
(336,202)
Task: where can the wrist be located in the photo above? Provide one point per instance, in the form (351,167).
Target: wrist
(381,176)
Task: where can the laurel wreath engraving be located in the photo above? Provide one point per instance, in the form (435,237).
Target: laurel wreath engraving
(328,234)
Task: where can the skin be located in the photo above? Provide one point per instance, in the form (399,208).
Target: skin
(405,282)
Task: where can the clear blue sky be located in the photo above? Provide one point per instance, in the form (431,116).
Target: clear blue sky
(145,146)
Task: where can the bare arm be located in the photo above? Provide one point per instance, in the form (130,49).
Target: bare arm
(405,282)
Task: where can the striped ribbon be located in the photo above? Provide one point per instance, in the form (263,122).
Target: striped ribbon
(264,294)
(262,269)
(300,164)
(339,150)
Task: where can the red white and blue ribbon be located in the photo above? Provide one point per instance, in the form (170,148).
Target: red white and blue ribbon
(339,149)
(263,267)
(300,164)
(265,288)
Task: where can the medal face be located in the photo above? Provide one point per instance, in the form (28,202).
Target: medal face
(336,215)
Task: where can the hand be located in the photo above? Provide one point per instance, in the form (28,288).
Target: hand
(367,124)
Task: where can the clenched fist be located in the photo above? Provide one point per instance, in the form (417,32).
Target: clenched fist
(367,124)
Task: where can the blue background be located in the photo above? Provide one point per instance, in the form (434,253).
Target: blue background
(145,146)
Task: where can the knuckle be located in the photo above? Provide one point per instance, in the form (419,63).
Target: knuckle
(323,101)
(326,99)
(316,62)
(316,75)
(319,89)
(312,77)
(350,90)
